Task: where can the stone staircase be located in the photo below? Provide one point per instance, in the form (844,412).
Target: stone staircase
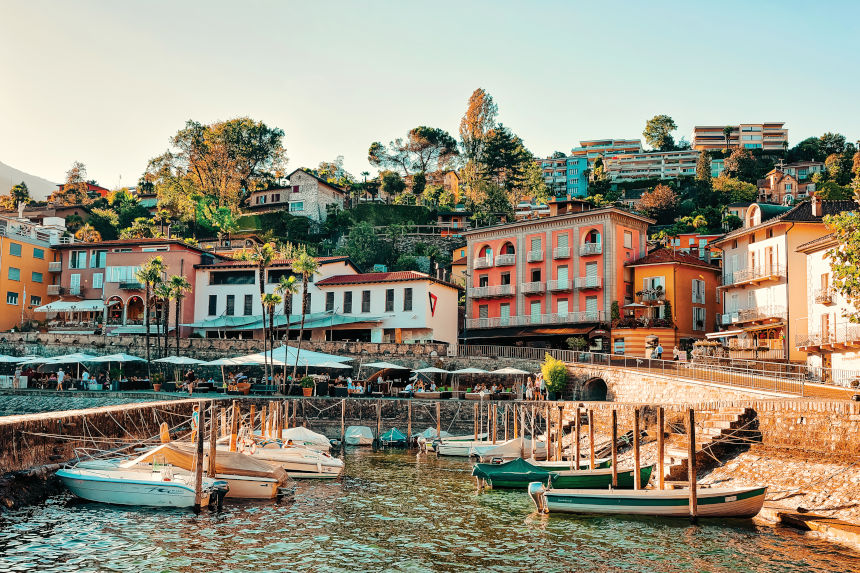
(713,429)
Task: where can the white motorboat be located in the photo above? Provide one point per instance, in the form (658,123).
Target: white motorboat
(512,449)
(298,462)
(358,436)
(105,482)
(301,436)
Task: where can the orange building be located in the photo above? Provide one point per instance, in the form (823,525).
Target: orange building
(676,303)
(541,281)
(25,269)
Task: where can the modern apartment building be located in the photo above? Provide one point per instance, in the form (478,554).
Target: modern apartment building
(770,136)
(594,148)
(542,281)
(764,284)
(651,165)
(828,337)
(565,175)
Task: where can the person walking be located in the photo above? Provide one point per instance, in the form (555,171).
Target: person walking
(659,351)
(542,386)
(16,381)
(60,377)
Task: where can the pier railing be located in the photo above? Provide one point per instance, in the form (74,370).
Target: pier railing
(784,378)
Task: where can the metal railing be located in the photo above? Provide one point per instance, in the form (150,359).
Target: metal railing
(488,291)
(538,319)
(779,377)
(748,314)
(535,256)
(55,290)
(561,252)
(55,267)
(823,295)
(591,249)
(753,274)
(483,262)
(505,260)
(846,333)
(559,285)
(588,282)
(532,287)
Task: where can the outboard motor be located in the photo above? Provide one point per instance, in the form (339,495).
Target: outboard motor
(536,491)
(219,492)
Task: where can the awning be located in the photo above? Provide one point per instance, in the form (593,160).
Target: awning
(764,326)
(713,335)
(560,330)
(71,306)
(224,322)
(338,320)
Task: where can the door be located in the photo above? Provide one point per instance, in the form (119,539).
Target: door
(562,241)
(535,312)
(591,275)
(562,307)
(591,307)
(562,276)
(504,314)
(75,284)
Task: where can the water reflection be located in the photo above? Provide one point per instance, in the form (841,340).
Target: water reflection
(392,512)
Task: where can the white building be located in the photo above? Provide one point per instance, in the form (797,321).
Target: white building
(402,307)
(830,340)
(652,165)
(306,195)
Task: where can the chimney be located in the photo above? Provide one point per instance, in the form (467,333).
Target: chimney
(817,211)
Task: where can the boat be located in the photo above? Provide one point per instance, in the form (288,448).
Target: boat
(393,438)
(248,477)
(358,436)
(433,441)
(301,436)
(711,502)
(297,461)
(512,449)
(565,464)
(519,473)
(105,482)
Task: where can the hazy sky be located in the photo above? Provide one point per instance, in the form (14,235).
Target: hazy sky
(107,83)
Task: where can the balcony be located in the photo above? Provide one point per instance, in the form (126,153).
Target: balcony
(753,315)
(73,290)
(131,285)
(491,291)
(55,267)
(588,282)
(55,290)
(839,337)
(590,249)
(533,287)
(559,285)
(505,260)
(652,296)
(535,256)
(561,252)
(750,344)
(824,296)
(483,262)
(755,275)
(538,319)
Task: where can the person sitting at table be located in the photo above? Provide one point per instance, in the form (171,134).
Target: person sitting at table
(433,386)
(211,381)
(350,388)
(359,389)
(410,389)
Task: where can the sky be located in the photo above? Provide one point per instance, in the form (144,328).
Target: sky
(107,83)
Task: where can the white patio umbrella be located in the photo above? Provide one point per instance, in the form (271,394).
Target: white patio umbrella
(432,370)
(467,371)
(330,364)
(16,359)
(180,360)
(510,372)
(119,357)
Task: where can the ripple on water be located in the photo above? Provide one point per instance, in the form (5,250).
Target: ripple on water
(393,512)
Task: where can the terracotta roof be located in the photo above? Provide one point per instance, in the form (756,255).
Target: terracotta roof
(134,242)
(460,261)
(667,255)
(390,277)
(816,244)
(231,263)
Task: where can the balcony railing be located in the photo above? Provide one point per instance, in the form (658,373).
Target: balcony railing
(750,344)
(754,275)
(589,282)
(839,334)
(533,287)
(591,249)
(130,285)
(538,319)
(55,290)
(505,260)
(74,290)
(55,267)
(535,256)
(561,252)
(488,291)
(652,297)
(752,314)
(483,262)
(823,296)
(559,285)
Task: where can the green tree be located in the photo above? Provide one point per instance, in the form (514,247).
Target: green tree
(727,133)
(306,266)
(476,123)
(179,289)
(830,190)
(149,274)
(741,165)
(506,163)
(162,295)
(733,190)
(269,303)
(287,287)
(88,234)
(419,182)
(425,150)
(659,203)
(362,245)
(74,222)
(105,221)
(831,143)
(845,258)
(262,256)
(74,190)
(658,132)
(141,228)
(807,150)
(392,184)
(20,194)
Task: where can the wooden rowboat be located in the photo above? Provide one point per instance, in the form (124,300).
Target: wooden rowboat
(712,502)
(520,473)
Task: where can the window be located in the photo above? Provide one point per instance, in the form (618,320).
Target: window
(563,240)
(98,280)
(329,302)
(122,250)
(77,260)
(75,284)
(562,307)
(248,305)
(121,274)
(593,236)
(628,244)
(618,346)
(213,304)
(389,300)
(698,318)
(562,275)
(505,313)
(365,301)
(38,253)
(347,302)
(591,306)
(276,197)
(37,277)
(12,297)
(295,188)
(160,249)
(232,278)
(261,200)
(651,283)
(483,280)
(297,206)
(15,249)
(535,275)
(231,305)
(98,259)
(35,300)
(698,291)
(14,274)
(407,298)
(505,278)
(483,311)
(535,244)
(534,309)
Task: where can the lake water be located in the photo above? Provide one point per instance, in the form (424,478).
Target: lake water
(393,512)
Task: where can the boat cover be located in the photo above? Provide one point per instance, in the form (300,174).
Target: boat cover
(230,463)
(517,468)
(301,435)
(393,435)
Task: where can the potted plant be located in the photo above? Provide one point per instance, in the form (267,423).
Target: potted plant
(307,384)
(555,374)
(157,381)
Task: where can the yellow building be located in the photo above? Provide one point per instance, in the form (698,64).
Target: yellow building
(25,269)
(458,266)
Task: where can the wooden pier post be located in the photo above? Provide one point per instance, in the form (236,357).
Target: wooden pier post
(263,421)
(213,439)
(281,418)
(506,422)
(577,429)
(591,438)
(637,478)
(223,422)
(195,429)
(495,422)
(438,420)
(532,436)
(548,440)
(691,466)
(234,426)
(560,444)
(515,421)
(661,468)
(253,418)
(614,448)
(343,418)
(522,420)
(476,421)
(378,418)
(198,462)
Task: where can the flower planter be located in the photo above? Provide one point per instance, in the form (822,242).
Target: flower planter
(307,391)
(156,387)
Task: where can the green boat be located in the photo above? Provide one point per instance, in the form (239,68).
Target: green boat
(519,473)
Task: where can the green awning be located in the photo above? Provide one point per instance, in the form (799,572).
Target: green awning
(222,322)
(338,320)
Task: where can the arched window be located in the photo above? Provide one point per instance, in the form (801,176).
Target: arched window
(486,251)
(593,236)
(508,249)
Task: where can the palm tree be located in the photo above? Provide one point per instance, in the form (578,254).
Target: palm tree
(287,287)
(162,293)
(88,234)
(262,255)
(306,266)
(148,274)
(180,287)
(727,133)
(270,301)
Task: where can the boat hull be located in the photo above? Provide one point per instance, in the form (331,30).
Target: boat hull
(714,502)
(518,474)
(358,436)
(244,487)
(149,493)
(302,464)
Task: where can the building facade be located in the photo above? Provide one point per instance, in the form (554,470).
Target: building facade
(306,196)
(651,165)
(787,184)
(545,280)
(594,148)
(565,175)
(771,136)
